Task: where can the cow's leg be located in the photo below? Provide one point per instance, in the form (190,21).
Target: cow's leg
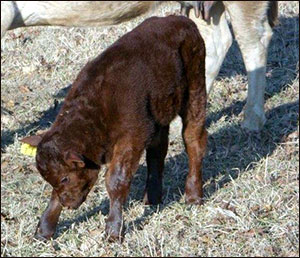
(217,38)
(253,34)
(155,157)
(124,163)
(7,15)
(48,222)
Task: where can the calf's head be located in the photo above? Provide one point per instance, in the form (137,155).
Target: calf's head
(71,174)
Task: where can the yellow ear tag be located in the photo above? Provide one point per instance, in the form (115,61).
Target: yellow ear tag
(27,149)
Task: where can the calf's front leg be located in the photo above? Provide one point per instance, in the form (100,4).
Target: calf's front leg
(117,180)
(48,222)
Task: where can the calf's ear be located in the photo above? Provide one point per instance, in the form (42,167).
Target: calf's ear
(33,140)
(74,160)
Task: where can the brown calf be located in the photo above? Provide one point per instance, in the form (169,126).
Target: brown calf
(122,103)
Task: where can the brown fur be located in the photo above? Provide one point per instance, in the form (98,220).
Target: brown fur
(122,103)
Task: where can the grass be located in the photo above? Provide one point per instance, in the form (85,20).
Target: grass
(251,179)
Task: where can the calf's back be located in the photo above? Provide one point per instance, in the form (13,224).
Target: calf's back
(139,81)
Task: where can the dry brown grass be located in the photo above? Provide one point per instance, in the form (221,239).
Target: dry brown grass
(251,180)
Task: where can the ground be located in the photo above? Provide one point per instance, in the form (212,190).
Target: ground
(251,179)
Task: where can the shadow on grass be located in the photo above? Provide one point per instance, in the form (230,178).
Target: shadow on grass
(281,65)
(230,152)
(46,119)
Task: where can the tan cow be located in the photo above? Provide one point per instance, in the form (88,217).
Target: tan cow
(252,24)
(16,14)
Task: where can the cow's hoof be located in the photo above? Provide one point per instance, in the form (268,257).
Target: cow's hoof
(254,123)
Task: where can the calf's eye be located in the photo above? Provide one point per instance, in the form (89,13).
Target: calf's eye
(64,180)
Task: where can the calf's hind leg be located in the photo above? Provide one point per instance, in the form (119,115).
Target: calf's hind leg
(155,157)
(193,118)
(195,138)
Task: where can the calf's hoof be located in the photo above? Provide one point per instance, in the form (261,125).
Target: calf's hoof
(114,238)
(113,232)
(154,200)
(194,200)
(43,235)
